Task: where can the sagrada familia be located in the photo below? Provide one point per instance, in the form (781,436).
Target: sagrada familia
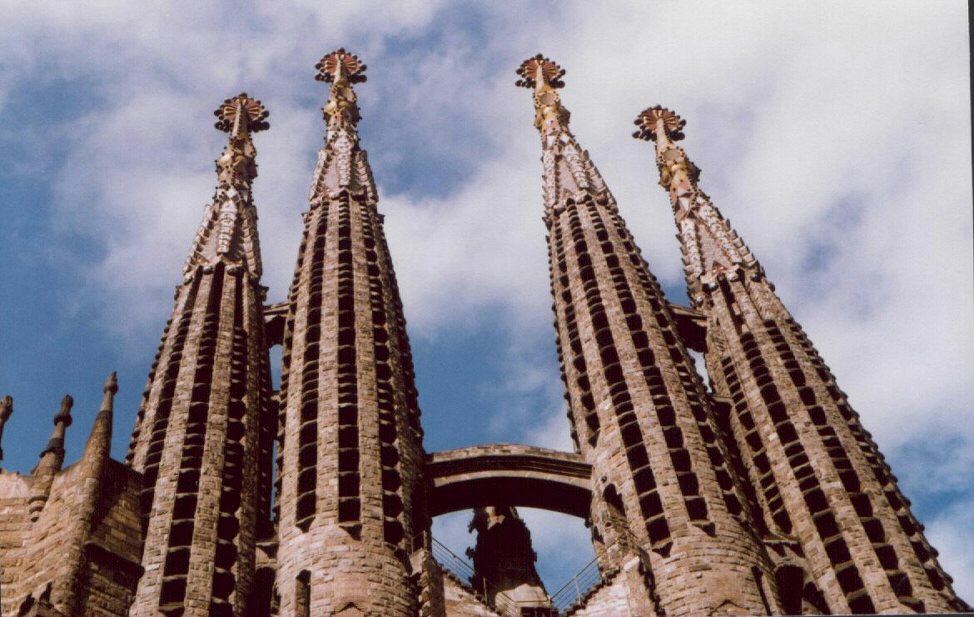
(761,494)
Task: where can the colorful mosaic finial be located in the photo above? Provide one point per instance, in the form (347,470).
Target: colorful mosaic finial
(543,68)
(338,64)
(650,120)
(241,109)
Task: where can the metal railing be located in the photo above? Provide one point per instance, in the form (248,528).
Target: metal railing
(488,593)
(572,592)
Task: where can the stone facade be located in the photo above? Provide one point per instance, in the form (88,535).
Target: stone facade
(762,494)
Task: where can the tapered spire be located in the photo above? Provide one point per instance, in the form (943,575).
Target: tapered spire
(664,490)
(100,439)
(844,530)
(228,233)
(202,436)
(710,246)
(90,480)
(51,460)
(351,460)
(6,409)
(342,165)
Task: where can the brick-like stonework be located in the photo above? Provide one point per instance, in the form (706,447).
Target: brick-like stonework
(762,495)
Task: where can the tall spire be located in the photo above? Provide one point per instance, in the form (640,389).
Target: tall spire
(850,538)
(6,409)
(342,165)
(201,433)
(664,492)
(350,500)
(229,230)
(710,247)
(51,460)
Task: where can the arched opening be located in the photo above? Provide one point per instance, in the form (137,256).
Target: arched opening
(561,542)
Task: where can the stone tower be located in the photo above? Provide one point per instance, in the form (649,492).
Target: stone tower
(350,505)
(845,540)
(762,495)
(201,436)
(663,490)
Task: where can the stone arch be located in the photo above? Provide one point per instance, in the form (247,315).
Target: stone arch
(509,474)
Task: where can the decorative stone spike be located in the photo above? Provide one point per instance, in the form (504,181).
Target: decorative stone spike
(350,499)
(825,495)
(51,460)
(662,478)
(201,436)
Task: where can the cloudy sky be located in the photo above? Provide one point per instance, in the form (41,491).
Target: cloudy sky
(835,136)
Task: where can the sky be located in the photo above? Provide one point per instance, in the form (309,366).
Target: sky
(834,135)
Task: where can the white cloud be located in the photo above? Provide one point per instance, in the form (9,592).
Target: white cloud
(950,532)
(835,136)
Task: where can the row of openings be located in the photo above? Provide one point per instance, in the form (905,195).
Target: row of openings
(140,414)
(313,219)
(688,379)
(766,479)
(176,568)
(400,339)
(885,552)
(228,523)
(636,455)
(687,479)
(590,415)
(267,432)
(349,501)
(900,504)
(559,280)
(392,505)
(846,571)
(160,423)
(307,494)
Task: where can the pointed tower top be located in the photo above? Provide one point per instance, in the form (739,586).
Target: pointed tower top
(658,118)
(544,75)
(540,70)
(111,384)
(240,115)
(341,69)
(63,415)
(100,438)
(338,64)
(53,455)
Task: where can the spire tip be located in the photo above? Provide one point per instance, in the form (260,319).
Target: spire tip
(111,384)
(64,414)
(338,64)
(648,120)
(543,67)
(255,115)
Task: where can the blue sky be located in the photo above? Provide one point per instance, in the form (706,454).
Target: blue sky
(835,136)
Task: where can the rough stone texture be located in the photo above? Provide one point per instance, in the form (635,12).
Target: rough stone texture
(350,500)
(762,496)
(198,436)
(80,555)
(641,417)
(843,532)
(461,601)
(624,593)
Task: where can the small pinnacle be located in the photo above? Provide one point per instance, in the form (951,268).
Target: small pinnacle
(6,407)
(64,414)
(256,114)
(551,73)
(649,118)
(111,384)
(338,64)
